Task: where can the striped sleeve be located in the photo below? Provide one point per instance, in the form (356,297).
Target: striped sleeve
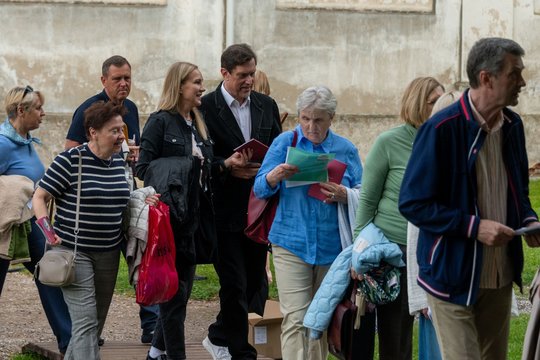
(58,176)
(104,197)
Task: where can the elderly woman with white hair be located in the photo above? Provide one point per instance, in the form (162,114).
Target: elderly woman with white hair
(305,235)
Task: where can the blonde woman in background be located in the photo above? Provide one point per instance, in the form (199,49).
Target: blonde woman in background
(261,84)
(381,183)
(24,109)
(428,347)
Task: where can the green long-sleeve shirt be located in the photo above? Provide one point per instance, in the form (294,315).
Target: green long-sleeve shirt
(381,182)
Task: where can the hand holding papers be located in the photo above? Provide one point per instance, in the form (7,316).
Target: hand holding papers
(336,170)
(312,167)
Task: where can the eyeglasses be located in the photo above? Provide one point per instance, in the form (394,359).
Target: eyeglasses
(28,89)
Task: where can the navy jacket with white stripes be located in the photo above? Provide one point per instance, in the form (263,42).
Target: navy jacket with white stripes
(439,195)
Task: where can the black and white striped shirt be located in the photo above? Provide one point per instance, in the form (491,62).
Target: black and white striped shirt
(104,197)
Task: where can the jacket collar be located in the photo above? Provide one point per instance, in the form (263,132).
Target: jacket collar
(510,117)
(326,145)
(9,131)
(229,99)
(225,114)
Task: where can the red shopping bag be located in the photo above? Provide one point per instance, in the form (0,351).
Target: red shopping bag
(158,280)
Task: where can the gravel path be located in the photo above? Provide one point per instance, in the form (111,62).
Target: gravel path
(24,321)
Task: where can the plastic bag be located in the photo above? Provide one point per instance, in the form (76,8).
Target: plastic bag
(158,280)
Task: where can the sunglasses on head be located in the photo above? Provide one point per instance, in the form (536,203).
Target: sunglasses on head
(28,89)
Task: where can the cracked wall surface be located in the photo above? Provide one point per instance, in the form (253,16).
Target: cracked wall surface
(365,51)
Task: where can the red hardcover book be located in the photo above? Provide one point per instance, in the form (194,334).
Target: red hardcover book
(336,170)
(258,148)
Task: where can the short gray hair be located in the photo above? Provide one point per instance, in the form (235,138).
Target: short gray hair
(115,60)
(319,97)
(488,54)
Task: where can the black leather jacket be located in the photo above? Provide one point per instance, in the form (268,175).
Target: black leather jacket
(167,164)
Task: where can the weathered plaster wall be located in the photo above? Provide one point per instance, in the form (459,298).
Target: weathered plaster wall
(59,48)
(366,57)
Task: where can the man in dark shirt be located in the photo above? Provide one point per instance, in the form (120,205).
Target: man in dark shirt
(234,114)
(116,80)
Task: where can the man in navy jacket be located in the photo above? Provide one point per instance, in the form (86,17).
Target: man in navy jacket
(466,187)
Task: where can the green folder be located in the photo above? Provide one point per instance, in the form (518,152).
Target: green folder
(312,167)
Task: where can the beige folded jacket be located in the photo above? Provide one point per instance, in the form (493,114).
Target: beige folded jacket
(15,194)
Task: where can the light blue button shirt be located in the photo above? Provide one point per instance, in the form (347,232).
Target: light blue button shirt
(303,225)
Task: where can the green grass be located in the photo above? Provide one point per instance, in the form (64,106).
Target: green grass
(208,290)
(532,255)
(202,290)
(27,356)
(518,326)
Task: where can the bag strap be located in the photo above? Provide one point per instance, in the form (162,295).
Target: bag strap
(295,138)
(79,185)
(77,209)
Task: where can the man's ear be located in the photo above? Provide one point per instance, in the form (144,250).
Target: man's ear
(485,78)
(224,73)
(103,79)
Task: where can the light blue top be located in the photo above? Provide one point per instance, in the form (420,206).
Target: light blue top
(303,225)
(17,155)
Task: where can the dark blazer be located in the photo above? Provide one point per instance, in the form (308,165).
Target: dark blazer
(231,194)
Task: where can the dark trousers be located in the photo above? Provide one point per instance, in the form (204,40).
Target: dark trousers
(363,344)
(170,333)
(148,315)
(241,270)
(258,301)
(51,298)
(395,325)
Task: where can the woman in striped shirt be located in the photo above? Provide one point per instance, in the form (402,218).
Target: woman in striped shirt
(104,197)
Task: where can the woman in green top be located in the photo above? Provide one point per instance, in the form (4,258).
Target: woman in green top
(381,183)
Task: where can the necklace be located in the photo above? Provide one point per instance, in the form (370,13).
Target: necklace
(107,164)
(92,148)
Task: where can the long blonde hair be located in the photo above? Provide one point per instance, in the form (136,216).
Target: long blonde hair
(170,96)
(260,83)
(414,109)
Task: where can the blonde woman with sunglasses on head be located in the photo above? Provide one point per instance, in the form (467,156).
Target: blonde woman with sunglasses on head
(18,158)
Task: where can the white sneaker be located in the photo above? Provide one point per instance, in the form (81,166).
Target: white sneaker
(217,352)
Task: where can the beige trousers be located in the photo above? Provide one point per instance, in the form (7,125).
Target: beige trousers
(297,283)
(475,332)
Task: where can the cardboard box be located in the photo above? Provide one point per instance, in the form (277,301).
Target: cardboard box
(265,331)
